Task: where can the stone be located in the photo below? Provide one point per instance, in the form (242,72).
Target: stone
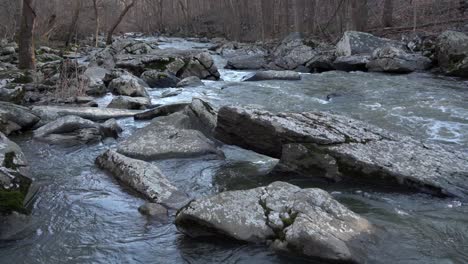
(246,62)
(356,43)
(161,140)
(274,75)
(14,94)
(394,60)
(334,147)
(452,53)
(74,130)
(15,117)
(171,93)
(293,51)
(153,210)
(203,116)
(51,113)
(352,63)
(164,110)
(132,103)
(305,221)
(191,81)
(95,76)
(157,79)
(129,86)
(143,177)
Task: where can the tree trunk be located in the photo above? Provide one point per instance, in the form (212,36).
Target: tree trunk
(26,37)
(96,15)
(116,24)
(74,22)
(387,16)
(359,14)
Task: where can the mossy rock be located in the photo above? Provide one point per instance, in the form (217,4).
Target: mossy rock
(12,201)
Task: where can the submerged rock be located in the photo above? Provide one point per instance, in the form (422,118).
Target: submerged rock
(391,59)
(143,177)
(74,130)
(333,146)
(154,210)
(132,103)
(308,221)
(15,117)
(274,75)
(171,93)
(452,53)
(354,43)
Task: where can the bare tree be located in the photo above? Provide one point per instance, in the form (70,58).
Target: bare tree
(26,37)
(74,22)
(96,15)
(359,14)
(116,24)
(387,16)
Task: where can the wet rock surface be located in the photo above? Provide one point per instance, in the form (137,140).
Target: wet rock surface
(354,43)
(15,117)
(131,103)
(144,177)
(337,145)
(391,59)
(307,221)
(452,53)
(274,75)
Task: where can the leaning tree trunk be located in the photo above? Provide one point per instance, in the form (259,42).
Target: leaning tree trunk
(26,37)
(116,24)
(359,14)
(387,16)
(74,22)
(96,14)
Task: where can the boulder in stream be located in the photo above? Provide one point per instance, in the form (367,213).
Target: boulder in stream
(127,102)
(157,79)
(288,218)
(129,86)
(452,53)
(74,130)
(143,177)
(191,81)
(15,117)
(333,146)
(355,43)
(246,62)
(352,63)
(274,75)
(391,59)
(163,110)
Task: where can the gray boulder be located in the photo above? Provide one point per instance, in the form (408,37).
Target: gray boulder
(352,63)
(246,62)
(129,86)
(153,210)
(452,53)
(157,79)
(12,93)
(132,103)
(288,218)
(171,93)
(274,75)
(51,113)
(15,117)
(293,51)
(143,177)
(334,147)
(164,110)
(391,59)
(95,76)
(202,115)
(354,43)
(14,178)
(164,140)
(322,61)
(191,81)
(74,130)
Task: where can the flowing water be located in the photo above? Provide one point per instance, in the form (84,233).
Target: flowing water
(82,215)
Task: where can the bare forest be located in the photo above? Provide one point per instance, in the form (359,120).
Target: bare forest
(243,20)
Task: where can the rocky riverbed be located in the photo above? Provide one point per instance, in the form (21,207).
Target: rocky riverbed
(350,166)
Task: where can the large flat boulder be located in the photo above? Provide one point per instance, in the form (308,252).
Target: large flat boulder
(167,138)
(74,130)
(286,217)
(127,102)
(143,177)
(246,62)
(274,75)
(50,113)
(15,117)
(333,146)
(354,43)
(391,59)
(452,53)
